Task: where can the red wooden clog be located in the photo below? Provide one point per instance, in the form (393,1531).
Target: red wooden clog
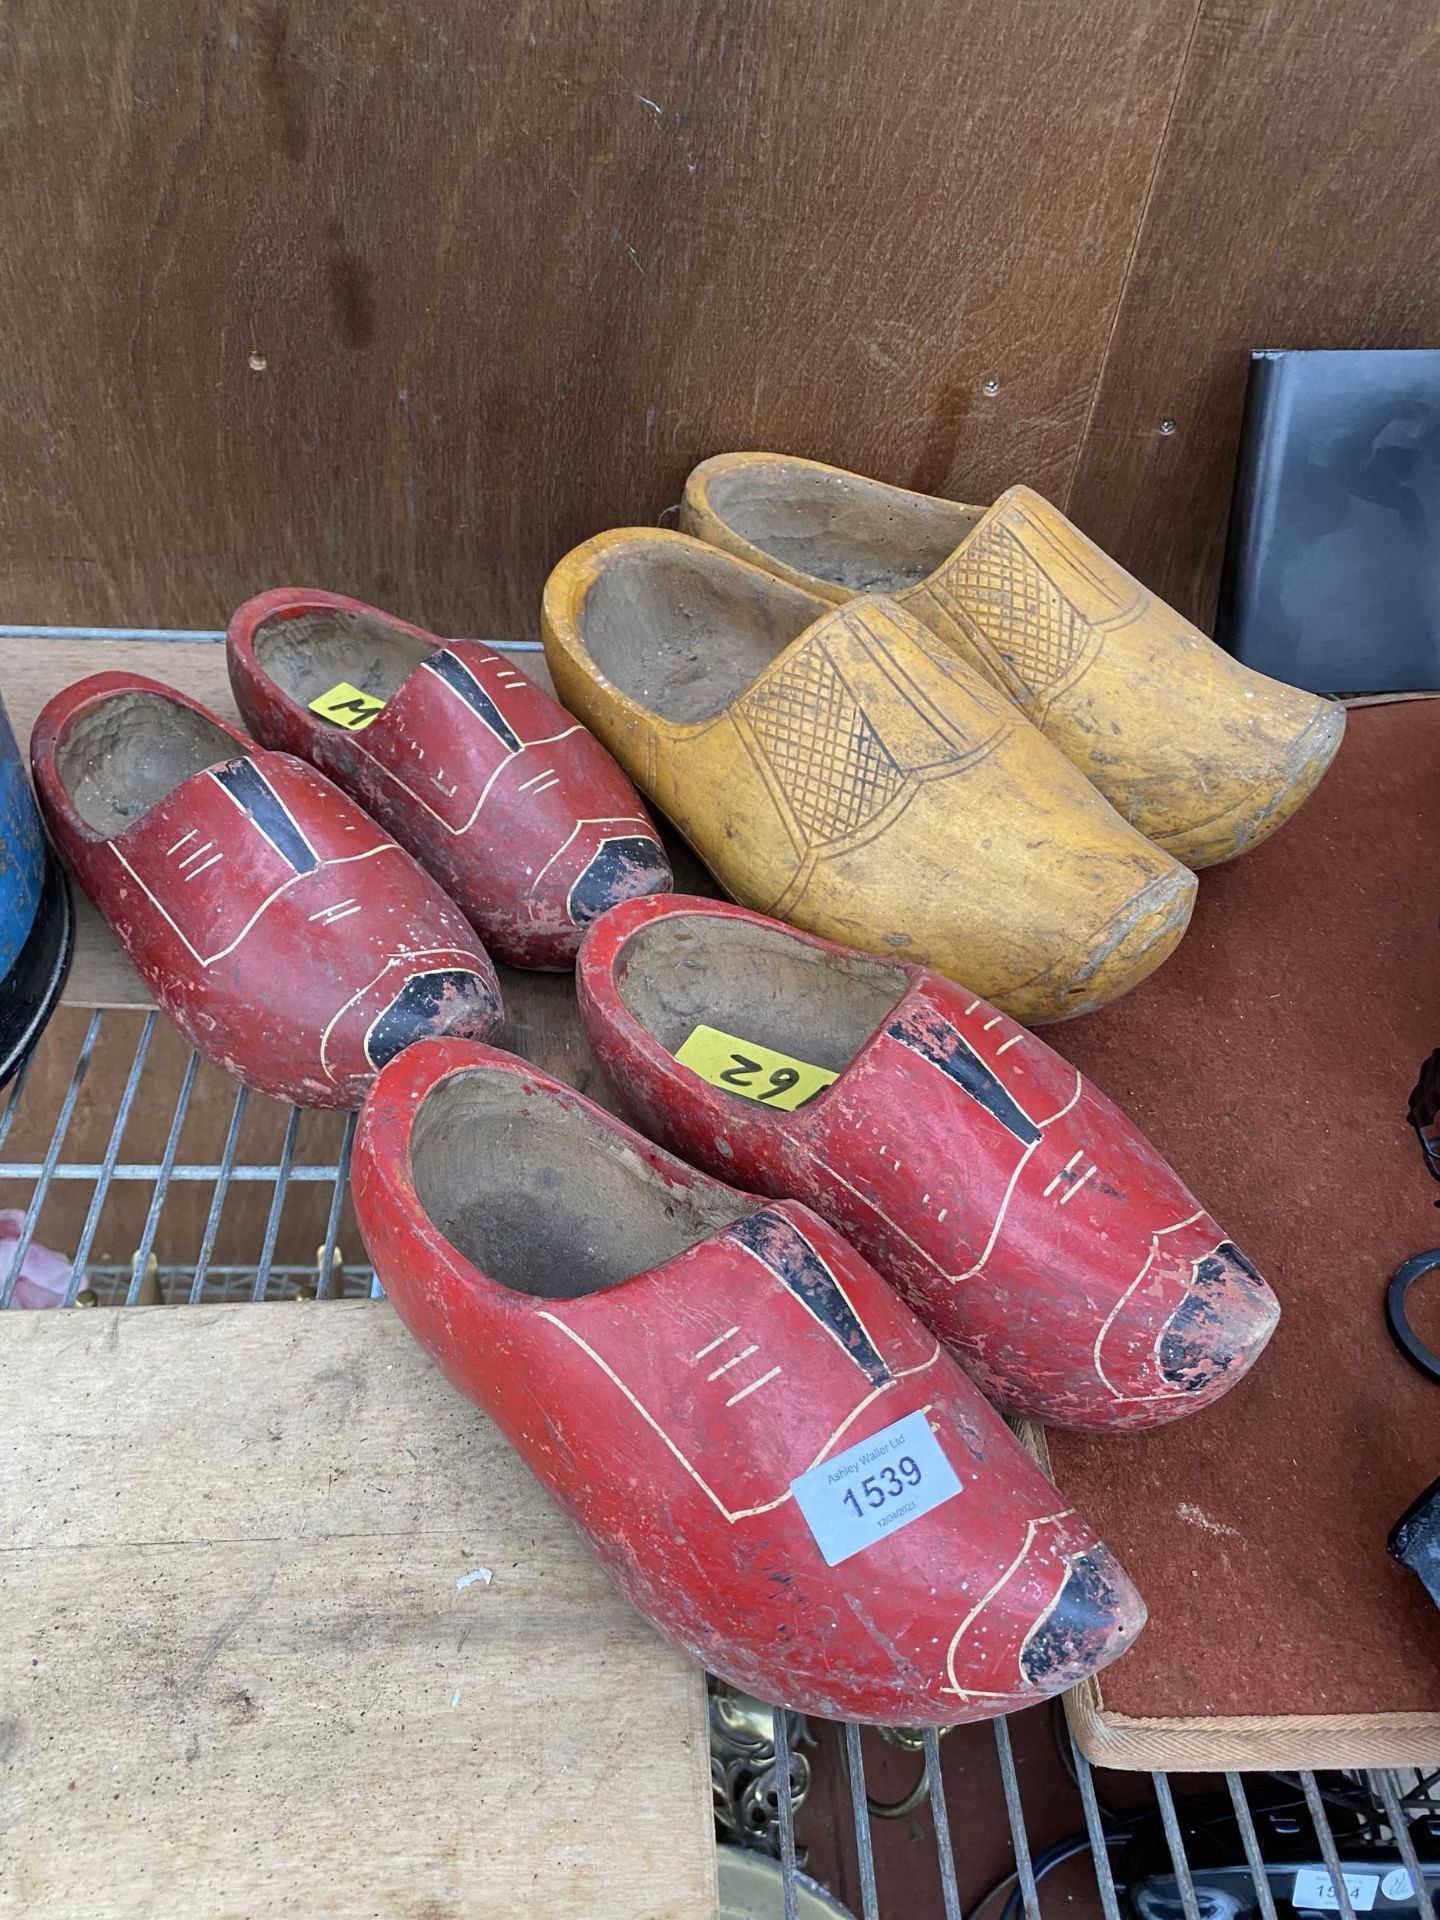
(771,1456)
(290,940)
(1021,1214)
(517,810)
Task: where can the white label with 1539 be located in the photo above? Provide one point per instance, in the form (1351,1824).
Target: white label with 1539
(875,1487)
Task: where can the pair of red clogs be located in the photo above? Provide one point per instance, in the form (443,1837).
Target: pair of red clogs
(769,1448)
(296,937)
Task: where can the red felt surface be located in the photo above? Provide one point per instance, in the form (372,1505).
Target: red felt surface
(1271,1060)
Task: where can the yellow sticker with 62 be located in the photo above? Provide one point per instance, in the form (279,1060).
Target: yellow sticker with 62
(759,1073)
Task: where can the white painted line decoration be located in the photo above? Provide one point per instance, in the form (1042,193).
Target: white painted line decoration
(1071,1193)
(725,1365)
(1062,1173)
(754,1386)
(718,1341)
(1079,1089)
(732,1514)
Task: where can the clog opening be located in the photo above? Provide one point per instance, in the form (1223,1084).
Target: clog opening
(685,629)
(854,532)
(757,983)
(307,654)
(543,1198)
(123,756)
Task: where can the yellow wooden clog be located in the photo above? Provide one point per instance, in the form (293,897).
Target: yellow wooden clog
(1202,755)
(840,769)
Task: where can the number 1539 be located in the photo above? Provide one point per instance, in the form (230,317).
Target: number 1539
(888,1484)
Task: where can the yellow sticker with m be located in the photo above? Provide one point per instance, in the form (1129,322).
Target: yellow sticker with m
(758,1073)
(348,706)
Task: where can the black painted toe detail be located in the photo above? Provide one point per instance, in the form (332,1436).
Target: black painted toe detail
(1226,1319)
(622,869)
(450,1002)
(1228,1263)
(1080,1631)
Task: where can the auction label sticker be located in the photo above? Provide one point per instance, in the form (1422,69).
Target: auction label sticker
(874,1488)
(347,706)
(1315,1890)
(760,1073)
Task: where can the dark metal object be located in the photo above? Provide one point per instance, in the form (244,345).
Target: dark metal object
(1292,1846)
(1397,1315)
(1415,1538)
(1331,568)
(1424,1113)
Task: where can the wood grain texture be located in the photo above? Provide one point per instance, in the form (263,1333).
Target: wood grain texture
(1295,205)
(406,301)
(238,1676)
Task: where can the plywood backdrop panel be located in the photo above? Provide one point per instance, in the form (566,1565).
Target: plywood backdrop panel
(405,300)
(1295,205)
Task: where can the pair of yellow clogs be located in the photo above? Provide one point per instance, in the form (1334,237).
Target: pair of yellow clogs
(961,735)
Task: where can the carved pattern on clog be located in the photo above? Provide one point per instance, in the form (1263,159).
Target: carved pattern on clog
(1039,634)
(828,759)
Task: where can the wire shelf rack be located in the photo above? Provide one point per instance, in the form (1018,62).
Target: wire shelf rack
(163,1182)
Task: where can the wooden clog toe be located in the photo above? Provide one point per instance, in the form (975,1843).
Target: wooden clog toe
(1204,756)
(712,1386)
(515,809)
(290,940)
(1018,1211)
(841,769)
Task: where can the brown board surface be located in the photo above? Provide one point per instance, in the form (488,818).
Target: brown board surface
(1294,205)
(1271,1060)
(239,1675)
(404,301)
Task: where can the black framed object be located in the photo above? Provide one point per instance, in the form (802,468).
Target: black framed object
(1332,568)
